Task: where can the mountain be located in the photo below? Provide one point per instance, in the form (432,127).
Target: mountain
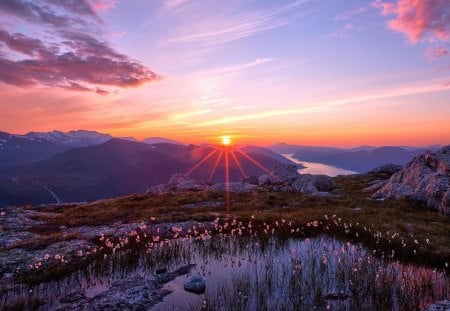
(21,149)
(361,160)
(114,168)
(35,146)
(267,152)
(283,148)
(159,140)
(80,138)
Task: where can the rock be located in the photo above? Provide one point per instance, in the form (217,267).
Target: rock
(378,184)
(443,305)
(131,293)
(179,183)
(388,169)
(308,184)
(234,187)
(264,179)
(285,173)
(280,174)
(195,284)
(425,179)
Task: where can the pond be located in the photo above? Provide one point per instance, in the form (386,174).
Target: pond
(315,168)
(241,273)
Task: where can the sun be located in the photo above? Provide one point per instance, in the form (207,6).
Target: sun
(226,140)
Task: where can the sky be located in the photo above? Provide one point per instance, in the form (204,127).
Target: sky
(310,72)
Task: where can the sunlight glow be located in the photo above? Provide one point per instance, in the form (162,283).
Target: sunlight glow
(226,140)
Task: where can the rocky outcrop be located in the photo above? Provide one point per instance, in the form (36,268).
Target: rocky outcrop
(425,179)
(283,177)
(132,293)
(309,184)
(178,183)
(388,169)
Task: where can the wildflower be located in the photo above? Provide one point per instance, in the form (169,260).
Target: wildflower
(2,213)
(152,218)
(47,256)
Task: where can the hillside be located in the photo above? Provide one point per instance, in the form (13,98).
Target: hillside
(115,168)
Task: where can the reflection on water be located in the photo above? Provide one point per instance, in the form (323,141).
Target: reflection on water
(243,273)
(319,168)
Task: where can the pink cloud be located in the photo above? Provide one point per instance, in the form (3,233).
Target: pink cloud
(103,5)
(418,19)
(436,52)
(74,59)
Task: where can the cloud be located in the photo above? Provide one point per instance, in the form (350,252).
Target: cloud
(238,26)
(418,19)
(325,106)
(347,15)
(74,58)
(103,5)
(436,53)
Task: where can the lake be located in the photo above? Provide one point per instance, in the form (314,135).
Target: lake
(318,168)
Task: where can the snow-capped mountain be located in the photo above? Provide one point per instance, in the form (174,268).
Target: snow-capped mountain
(78,138)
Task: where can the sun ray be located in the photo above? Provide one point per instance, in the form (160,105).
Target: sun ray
(219,157)
(227,181)
(258,164)
(233,154)
(198,164)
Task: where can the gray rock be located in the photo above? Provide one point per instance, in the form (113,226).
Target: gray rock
(386,169)
(443,305)
(132,293)
(264,180)
(308,184)
(425,179)
(178,183)
(377,185)
(285,173)
(195,284)
(235,187)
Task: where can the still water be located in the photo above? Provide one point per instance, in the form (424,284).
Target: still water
(244,273)
(319,168)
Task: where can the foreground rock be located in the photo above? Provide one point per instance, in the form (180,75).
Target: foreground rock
(195,284)
(425,179)
(443,305)
(133,293)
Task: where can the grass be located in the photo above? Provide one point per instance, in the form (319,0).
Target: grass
(349,202)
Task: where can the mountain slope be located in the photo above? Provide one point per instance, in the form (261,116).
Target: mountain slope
(117,167)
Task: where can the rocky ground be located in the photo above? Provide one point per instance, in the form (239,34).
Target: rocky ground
(426,179)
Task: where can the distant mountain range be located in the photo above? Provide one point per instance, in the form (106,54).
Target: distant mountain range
(113,168)
(34,146)
(361,159)
(50,167)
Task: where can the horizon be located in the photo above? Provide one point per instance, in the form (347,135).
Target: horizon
(218,141)
(315,73)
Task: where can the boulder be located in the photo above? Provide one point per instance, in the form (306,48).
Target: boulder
(388,169)
(308,184)
(285,173)
(264,180)
(195,284)
(425,179)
